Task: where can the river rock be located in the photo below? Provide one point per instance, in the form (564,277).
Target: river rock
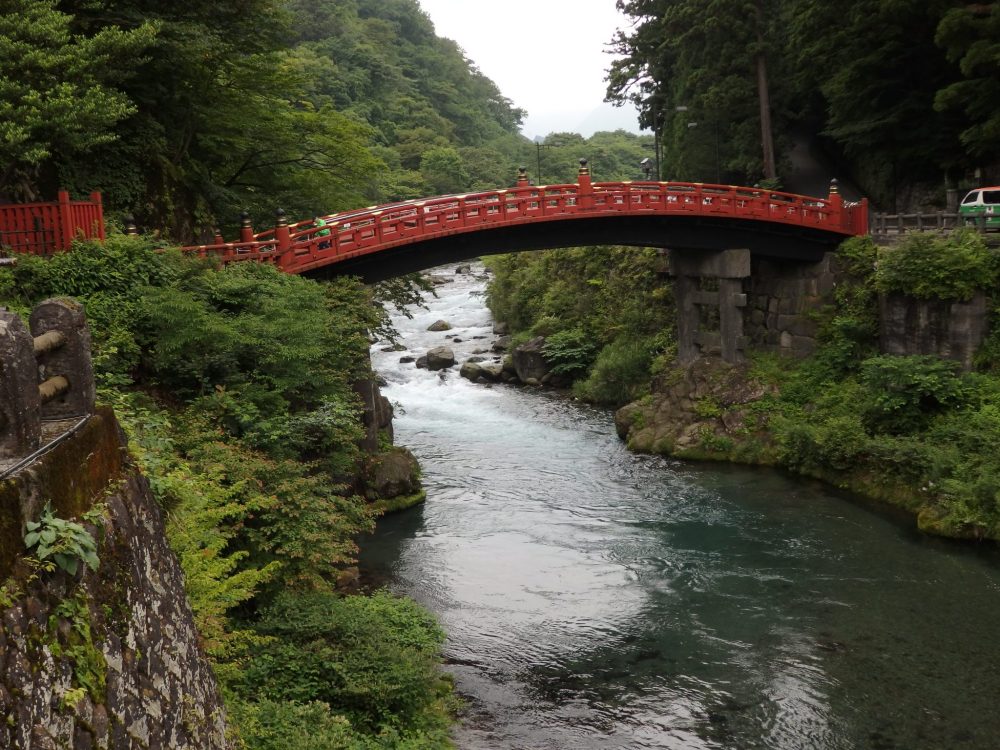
(529,361)
(476,360)
(394,473)
(439,280)
(463,269)
(501,329)
(491,372)
(407,359)
(470,370)
(439,325)
(421,363)
(440,357)
(695,406)
(502,344)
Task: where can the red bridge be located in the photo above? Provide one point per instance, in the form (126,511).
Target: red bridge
(384,241)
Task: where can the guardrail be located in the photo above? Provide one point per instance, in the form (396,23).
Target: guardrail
(45,372)
(886,225)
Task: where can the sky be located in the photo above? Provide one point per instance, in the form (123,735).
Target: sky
(548,56)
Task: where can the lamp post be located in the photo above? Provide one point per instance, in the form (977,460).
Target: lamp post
(647,166)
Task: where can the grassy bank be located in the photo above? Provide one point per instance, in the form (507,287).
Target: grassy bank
(235,388)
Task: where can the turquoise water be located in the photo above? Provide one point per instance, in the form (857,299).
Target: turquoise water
(598,599)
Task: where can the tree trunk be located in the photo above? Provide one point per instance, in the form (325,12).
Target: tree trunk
(766,137)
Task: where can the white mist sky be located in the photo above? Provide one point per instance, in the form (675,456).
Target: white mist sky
(548,56)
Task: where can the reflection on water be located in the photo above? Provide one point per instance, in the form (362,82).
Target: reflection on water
(597,599)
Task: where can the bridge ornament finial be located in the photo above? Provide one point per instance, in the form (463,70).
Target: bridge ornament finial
(280,218)
(584,169)
(834,189)
(130,228)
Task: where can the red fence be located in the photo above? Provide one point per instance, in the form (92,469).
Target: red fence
(47,228)
(299,247)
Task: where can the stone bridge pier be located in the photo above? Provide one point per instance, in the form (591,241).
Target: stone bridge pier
(729,301)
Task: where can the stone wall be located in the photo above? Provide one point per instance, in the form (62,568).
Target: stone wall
(948,329)
(107,658)
(781,295)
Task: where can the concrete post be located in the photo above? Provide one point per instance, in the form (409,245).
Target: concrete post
(70,360)
(20,419)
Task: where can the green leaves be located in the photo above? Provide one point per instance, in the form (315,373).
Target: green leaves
(67,543)
(929,266)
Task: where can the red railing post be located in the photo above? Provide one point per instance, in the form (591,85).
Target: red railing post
(95,198)
(246,228)
(837,206)
(217,239)
(522,177)
(65,222)
(282,234)
(585,190)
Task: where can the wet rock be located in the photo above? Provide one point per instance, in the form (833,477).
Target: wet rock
(395,473)
(439,325)
(393,348)
(501,329)
(476,360)
(407,359)
(421,362)
(471,371)
(463,269)
(440,357)
(502,344)
(529,360)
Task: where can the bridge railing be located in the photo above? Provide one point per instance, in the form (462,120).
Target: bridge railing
(47,228)
(300,246)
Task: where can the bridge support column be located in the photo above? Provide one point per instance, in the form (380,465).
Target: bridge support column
(708,289)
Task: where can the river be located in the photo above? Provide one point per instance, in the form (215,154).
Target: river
(599,599)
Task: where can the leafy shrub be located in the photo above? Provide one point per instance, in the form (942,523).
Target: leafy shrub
(371,658)
(929,266)
(570,352)
(67,543)
(620,373)
(903,393)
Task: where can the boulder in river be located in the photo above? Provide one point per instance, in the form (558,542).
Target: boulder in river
(470,371)
(500,328)
(407,359)
(421,363)
(464,269)
(439,325)
(529,361)
(502,344)
(440,357)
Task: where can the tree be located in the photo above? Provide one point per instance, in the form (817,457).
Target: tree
(970,37)
(58,92)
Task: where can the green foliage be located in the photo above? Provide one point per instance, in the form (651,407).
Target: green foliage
(903,393)
(67,543)
(929,266)
(57,92)
(570,352)
(601,308)
(892,92)
(372,659)
(77,645)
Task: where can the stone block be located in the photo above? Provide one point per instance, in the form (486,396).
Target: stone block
(725,264)
(20,418)
(70,360)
